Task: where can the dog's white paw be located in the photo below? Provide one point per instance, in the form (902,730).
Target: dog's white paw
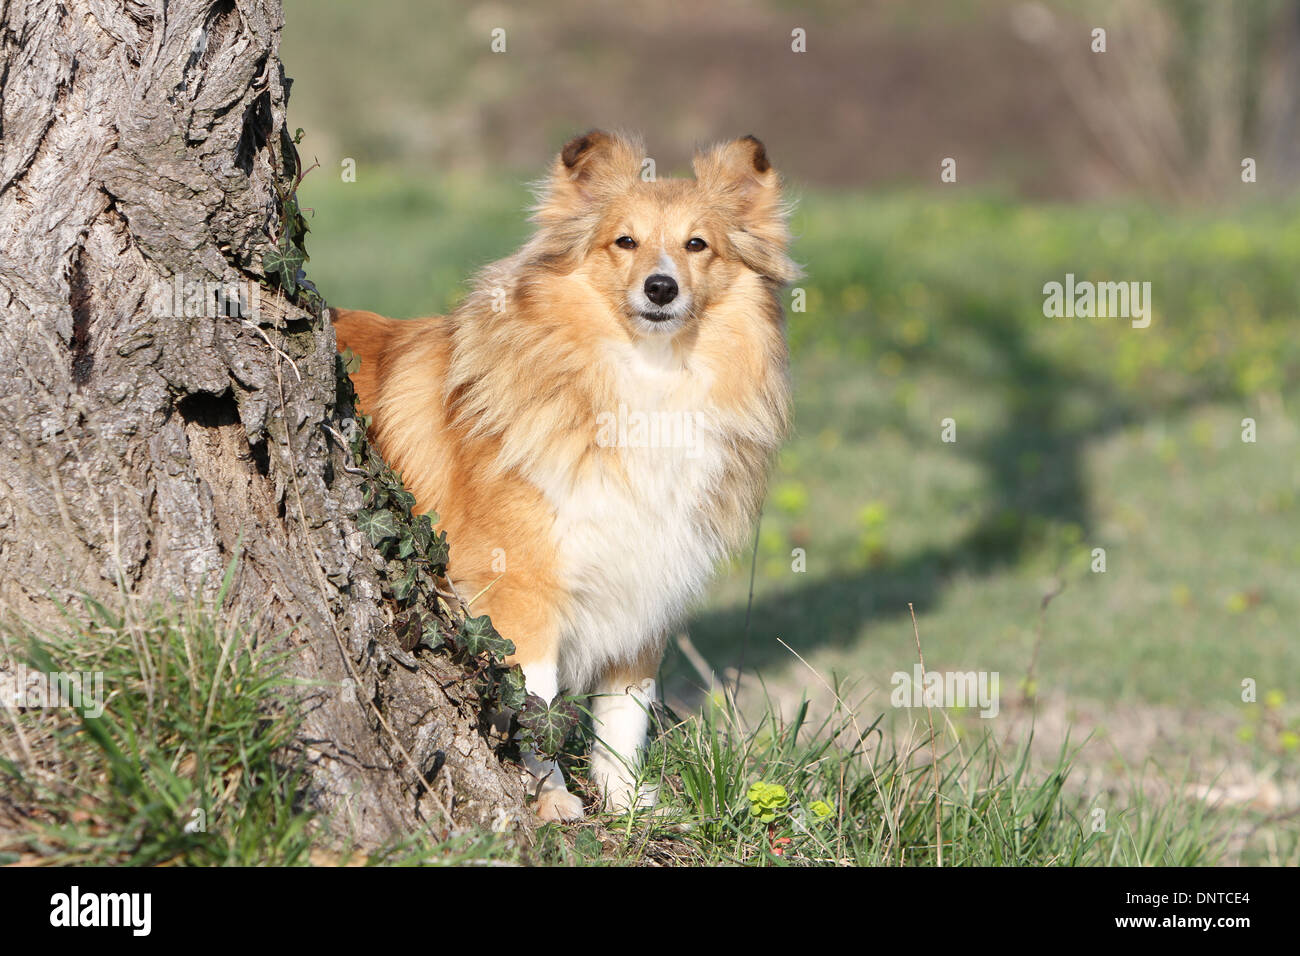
(557,806)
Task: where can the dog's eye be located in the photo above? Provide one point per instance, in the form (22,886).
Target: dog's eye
(625,242)
(696,244)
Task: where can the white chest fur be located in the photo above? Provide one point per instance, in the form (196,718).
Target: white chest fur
(633,552)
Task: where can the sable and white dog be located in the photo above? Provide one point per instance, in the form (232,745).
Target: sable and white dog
(601,412)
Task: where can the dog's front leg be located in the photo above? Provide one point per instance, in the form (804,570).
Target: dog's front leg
(545,778)
(620,718)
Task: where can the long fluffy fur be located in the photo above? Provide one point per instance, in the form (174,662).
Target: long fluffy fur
(493,413)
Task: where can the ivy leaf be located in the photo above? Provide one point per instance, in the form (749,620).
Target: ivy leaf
(284,260)
(406,547)
(402,588)
(405,500)
(477,635)
(547,726)
(380,526)
(438,552)
(432,638)
(422,533)
(511,690)
(351,362)
(409,628)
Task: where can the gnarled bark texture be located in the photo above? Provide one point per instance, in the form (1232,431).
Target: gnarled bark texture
(142,143)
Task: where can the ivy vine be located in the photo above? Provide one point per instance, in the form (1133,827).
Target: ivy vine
(283,262)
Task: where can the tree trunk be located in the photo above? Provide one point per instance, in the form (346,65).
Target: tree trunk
(143,156)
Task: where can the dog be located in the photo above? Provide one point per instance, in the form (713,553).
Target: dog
(595,423)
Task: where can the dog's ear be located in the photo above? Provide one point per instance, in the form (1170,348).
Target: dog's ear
(742,182)
(589,170)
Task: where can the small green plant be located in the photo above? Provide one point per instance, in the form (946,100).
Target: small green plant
(766,800)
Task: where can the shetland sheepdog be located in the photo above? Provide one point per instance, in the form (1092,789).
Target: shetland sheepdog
(594,425)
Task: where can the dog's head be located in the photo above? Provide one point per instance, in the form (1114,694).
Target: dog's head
(661,252)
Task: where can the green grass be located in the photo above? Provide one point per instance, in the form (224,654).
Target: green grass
(189,761)
(877,804)
(195,719)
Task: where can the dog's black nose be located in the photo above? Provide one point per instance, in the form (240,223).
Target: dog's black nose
(661,289)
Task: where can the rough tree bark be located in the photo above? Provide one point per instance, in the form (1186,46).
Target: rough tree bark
(142,141)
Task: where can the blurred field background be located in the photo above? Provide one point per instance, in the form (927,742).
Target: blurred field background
(924,302)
